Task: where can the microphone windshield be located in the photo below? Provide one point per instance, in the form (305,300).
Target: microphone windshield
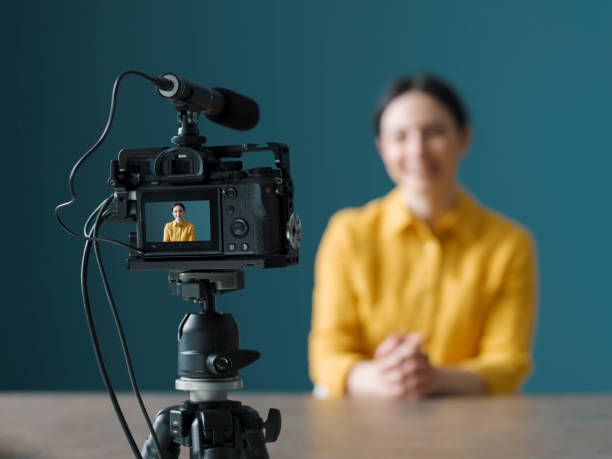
(239,112)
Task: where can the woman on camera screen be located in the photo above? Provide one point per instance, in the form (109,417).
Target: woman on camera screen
(179,230)
(423,291)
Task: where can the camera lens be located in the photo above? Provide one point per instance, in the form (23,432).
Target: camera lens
(239,227)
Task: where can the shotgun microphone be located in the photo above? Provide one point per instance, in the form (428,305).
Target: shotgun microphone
(220,105)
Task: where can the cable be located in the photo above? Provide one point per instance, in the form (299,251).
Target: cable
(86,230)
(77,165)
(90,235)
(111,303)
(96,344)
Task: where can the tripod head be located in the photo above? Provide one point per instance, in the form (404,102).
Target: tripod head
(202,286)
(209,354)
(209,361)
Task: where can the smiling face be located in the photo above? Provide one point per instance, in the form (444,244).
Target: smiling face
(420,143)
(178,213)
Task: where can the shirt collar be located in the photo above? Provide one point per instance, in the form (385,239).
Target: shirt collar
(397,215)
(461,219)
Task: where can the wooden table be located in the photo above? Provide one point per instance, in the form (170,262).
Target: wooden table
(50,425)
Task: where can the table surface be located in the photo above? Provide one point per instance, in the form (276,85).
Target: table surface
(83,425)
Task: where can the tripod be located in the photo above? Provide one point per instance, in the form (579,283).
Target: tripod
(209,360)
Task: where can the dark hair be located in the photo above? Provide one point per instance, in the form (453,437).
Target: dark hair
(428,84)
(178,204)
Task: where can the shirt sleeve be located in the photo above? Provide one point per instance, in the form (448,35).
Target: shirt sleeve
(335,337)
(167,233)
(191,235)
(504,358)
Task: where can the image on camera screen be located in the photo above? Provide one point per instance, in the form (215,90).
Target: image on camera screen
(189,222)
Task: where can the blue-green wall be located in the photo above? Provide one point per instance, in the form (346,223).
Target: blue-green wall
(536,76)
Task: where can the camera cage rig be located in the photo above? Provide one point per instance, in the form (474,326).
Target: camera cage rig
(125,184)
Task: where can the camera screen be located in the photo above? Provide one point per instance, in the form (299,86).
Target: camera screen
(189,222)
(189,229)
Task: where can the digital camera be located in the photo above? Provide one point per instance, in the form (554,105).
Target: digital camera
(236,217)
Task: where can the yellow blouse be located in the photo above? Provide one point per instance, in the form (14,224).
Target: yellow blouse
(468,285)
(179,232)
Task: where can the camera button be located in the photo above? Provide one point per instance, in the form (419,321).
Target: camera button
(245,246)
(239,227)
(231,193)
(230,209)
(231,246)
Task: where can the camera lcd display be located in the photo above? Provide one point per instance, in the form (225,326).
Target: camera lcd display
(198,232)
(161,221)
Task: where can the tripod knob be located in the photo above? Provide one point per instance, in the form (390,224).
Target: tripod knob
(272,425)
(229,363)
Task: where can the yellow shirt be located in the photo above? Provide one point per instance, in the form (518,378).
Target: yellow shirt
(179,232)
(468,285)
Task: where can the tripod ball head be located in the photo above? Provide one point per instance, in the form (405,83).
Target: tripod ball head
(209,347)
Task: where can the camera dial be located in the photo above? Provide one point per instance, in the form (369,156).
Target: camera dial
(294,231)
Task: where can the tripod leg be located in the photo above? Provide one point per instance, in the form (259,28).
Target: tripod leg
(170,450)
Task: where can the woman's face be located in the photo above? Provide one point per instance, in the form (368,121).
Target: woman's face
(420,143)
(178,213)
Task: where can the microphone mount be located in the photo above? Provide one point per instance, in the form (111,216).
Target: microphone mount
(188,131)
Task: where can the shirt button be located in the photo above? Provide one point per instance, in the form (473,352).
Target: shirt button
(430,248)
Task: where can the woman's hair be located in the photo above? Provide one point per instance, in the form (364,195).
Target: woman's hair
(428,84)
(178,204)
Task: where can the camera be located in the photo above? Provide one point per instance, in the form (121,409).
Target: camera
(240,216)
(232,217)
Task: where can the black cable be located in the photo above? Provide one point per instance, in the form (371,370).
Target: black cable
(86,230)
(96,344)
(90,236)
(77,165)
(111,303)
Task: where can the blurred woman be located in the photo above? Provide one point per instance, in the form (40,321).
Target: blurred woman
(423,291)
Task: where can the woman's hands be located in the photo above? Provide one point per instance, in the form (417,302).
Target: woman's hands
(400,369)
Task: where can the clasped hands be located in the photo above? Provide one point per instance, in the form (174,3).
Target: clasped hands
(399,369)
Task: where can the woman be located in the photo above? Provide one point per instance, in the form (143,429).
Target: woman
(179,230)
(423,291)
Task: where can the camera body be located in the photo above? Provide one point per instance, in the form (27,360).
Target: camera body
(239,216)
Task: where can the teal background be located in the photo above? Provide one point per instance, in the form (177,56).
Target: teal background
(536,77)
